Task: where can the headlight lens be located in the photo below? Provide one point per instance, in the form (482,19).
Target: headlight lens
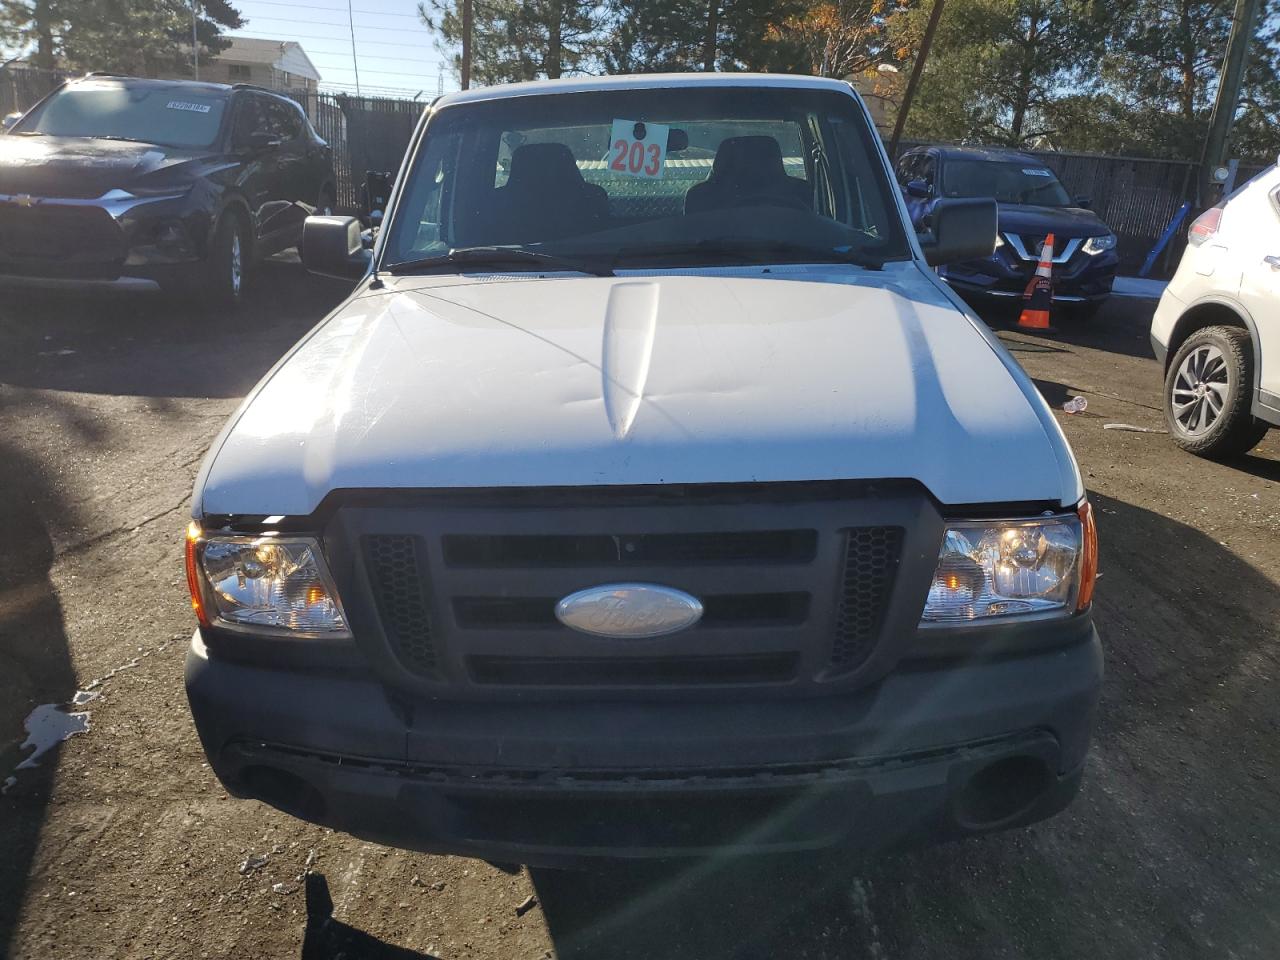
(264,584)
(1006,568)
(1096,245)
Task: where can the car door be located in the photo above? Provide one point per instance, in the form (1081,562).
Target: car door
(291,183)
(1259,235)
(319,160)
(253,141)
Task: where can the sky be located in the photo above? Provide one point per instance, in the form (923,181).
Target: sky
(395,52)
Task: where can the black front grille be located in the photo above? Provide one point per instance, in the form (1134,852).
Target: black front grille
(531,613)
(397,574)
(796,593)
(607,550)
(870,562)
(633,671)
(60,240)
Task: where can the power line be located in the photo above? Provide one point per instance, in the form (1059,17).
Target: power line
(336,23)
(374,56)
(311,6)
(316,36)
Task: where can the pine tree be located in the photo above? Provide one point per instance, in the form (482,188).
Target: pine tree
(514,40)
(147,37)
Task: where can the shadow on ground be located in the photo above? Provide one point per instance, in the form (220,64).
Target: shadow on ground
(1122,326)
(329,939)
(1172,849)
(35,664)
(158,346)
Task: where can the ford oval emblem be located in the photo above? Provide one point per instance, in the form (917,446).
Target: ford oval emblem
(629,611)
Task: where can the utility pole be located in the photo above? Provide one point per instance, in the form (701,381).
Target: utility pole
(355,62)
(468,23)
(1228,98)
(195,42)
(711,38)
(916,70)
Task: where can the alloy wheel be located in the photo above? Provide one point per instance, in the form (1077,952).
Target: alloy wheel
(1200,389)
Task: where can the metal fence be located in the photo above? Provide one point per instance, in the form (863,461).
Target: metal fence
(21,87)
(366,133)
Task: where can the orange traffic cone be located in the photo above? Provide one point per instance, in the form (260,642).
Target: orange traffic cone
(1037,299)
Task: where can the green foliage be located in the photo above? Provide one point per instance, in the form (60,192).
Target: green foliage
(1134,77)
(121,36)
(1120,76)
(513,40)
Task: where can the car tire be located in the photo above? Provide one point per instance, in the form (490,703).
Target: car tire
(1207,394)
(228,261)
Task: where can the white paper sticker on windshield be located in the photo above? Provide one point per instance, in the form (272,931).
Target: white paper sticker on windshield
(184,105)
(638,149)
(1037,172)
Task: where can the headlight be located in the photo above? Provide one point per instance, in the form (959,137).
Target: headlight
(276,585)
(1096,245)
(1016,567)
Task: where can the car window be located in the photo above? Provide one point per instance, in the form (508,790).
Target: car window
(928,169)
(1028,182)
(905,166)
(168,115)
(280,119)
(248,120)
(691,166)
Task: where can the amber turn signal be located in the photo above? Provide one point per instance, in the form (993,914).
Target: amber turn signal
(193,579)
(1089,558)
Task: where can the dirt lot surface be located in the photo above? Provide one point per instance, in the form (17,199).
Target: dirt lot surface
(122,844)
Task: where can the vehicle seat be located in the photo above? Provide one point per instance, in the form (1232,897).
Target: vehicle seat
(747,169)
(545,198)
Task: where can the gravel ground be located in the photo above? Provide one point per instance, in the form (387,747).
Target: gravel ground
(122,844)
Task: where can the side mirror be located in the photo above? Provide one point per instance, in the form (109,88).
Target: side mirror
(332,247)
(10,119)
(919,189)
(1083,201)
(962,230)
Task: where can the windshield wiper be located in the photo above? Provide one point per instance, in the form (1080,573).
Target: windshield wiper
(737,250)
(498,256)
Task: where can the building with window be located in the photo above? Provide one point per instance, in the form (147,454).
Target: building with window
(278,64)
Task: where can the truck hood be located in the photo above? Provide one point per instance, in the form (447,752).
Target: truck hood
(779,375)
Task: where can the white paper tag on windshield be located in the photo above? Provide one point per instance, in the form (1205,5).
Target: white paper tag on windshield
(1037,172)
(638,149)
(193,107)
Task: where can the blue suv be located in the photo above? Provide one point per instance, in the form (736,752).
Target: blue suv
(1032,203)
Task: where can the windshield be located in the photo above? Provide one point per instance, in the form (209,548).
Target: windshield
(656,177)
(1007,182)
(175,116)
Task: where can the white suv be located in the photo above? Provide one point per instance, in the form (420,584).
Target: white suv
(1217,328)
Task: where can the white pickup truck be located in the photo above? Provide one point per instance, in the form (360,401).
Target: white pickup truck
(649,495)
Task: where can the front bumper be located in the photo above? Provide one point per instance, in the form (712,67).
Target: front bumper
(112,242)
(1003,277)
(935,750)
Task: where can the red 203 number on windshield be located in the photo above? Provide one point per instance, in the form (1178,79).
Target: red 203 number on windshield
(630,157)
